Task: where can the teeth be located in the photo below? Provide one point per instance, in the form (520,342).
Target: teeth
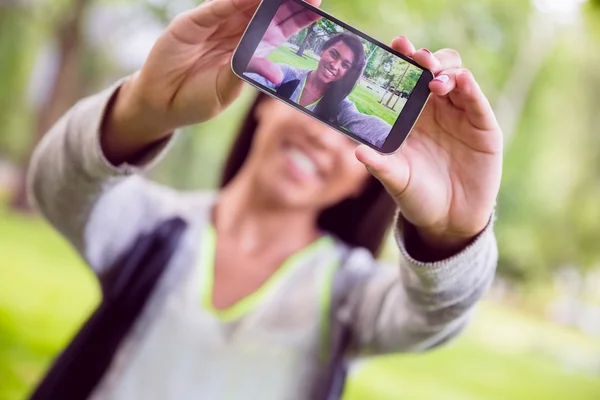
(329,72)
(303,162)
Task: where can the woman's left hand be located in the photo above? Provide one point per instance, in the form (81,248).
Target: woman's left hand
(446,176)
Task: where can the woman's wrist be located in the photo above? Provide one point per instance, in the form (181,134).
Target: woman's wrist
(130,126)
(430,245)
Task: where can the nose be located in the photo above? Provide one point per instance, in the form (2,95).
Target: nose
(337,64)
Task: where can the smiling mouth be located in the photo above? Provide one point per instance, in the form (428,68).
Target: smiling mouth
(330,73)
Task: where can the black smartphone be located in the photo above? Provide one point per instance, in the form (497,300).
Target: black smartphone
(332,72)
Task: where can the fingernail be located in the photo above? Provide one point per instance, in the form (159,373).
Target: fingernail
(442,78)
(427,50)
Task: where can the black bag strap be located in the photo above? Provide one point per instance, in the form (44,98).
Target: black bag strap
(330,380)
(288,88)
(126,290)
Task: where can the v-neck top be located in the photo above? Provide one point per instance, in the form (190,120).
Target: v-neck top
(226,354)
(264,291)
(312,105)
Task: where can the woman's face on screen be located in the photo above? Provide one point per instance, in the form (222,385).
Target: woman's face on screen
(335,62)
(300,162)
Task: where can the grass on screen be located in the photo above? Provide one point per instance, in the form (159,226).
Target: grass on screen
(366,100)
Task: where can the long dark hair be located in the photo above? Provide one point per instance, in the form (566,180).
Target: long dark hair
(329,106)
(361,221)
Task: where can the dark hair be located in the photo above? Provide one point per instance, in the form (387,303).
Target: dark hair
(329,106)
(361,221)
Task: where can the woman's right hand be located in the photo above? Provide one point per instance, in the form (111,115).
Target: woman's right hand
(186,79)
(290,19)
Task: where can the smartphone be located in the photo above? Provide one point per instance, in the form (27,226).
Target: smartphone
(332,72)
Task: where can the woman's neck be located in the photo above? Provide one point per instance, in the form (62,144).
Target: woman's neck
(314,84)
(251,219)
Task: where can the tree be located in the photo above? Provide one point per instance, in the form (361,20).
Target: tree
(321,28)
(409,81)
(308,33)
(65,89)
(397,70)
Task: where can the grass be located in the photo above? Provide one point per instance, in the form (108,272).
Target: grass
(46,292)
(505,354)
(366,100)
(285,55)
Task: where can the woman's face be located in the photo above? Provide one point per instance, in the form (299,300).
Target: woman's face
(299,162)
(335,62)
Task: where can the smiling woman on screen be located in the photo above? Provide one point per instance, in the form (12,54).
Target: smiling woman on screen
(325,90)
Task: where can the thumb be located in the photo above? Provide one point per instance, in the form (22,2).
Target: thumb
(266,68)
(391,170)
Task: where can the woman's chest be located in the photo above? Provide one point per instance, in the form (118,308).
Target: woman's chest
(268,347)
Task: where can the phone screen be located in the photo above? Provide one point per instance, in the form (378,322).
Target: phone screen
(338,76)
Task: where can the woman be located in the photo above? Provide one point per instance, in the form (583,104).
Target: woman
(239,313)
(325,90)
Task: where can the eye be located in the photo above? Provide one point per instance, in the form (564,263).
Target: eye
(333,53)
(347,65)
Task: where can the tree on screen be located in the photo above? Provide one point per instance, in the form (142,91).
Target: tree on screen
(315,34)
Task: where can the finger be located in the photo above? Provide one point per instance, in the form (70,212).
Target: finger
(448,58)
(266,68)
(403,46)
(391,170)
(290,8)
(441,60)
(444,82)
(426,59)
(468,96)
(298,21)
(214,12)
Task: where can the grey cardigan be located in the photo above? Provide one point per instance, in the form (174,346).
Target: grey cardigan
(100,208)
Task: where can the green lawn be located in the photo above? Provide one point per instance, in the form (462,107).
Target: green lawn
(46,293)
(285,55)
(366,100)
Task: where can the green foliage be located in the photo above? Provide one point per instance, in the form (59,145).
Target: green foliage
(548,206)
(410,79)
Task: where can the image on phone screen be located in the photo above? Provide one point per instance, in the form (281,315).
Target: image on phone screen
(337,75)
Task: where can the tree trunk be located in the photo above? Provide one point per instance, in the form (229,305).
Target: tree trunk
(533,52)
(65,88)
(396,102)
(389,100)
(371,54)
(383,97)
(307,38)
(399,85)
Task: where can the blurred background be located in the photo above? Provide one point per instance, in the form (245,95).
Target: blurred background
(537,334)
